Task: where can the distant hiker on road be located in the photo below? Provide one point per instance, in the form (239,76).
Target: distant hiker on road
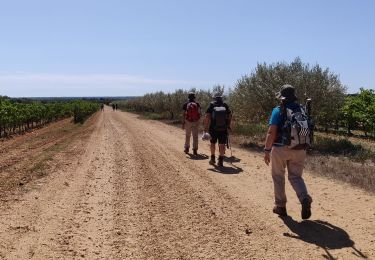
(113,107)
(116,106)
(217,123)
(288,137)
(102,107)
(190,122)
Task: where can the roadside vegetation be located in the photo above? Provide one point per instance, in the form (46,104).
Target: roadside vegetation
(343,121)
(17,116)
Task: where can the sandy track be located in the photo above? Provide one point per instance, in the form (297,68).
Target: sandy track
(135,195)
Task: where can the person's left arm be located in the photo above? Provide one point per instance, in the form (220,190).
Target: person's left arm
(229,119)
(207,118)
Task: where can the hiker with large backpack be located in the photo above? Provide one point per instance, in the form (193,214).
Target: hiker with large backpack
(289,134)
(190,122)
(217,124)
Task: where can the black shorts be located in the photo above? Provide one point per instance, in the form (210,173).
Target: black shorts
(218,136)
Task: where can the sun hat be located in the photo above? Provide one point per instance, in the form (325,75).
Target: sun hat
(287,91)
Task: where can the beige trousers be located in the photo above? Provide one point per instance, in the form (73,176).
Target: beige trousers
(293,160)
(191,128)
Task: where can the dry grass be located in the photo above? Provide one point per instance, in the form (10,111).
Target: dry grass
(337,159)
(360,175)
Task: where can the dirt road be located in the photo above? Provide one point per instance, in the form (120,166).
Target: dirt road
(133,194)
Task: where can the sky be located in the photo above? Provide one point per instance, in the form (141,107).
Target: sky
(129,48)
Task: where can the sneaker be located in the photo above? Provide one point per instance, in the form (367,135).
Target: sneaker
(220,162)
(212,161)
(186,150)
(195,151)
(281,211)
(306,208)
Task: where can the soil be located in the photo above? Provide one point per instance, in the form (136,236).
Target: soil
(120,187)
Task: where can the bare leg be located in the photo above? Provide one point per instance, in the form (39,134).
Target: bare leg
(221,149)
(213,149)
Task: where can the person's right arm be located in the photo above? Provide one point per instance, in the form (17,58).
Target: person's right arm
(184,107)
(270,139)
(207,118)
(207,121)
(271,135)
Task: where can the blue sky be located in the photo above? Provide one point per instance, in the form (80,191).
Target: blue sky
(113,47)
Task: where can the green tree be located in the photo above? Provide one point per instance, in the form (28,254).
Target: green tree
(253,97)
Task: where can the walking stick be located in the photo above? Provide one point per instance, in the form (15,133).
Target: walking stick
(229,146)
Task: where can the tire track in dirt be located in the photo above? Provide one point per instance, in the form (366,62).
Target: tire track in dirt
(247,199)
(134,195)
(90,230)
(186,216)
(43,225)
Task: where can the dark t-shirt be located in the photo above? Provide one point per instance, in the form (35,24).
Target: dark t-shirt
(210,109)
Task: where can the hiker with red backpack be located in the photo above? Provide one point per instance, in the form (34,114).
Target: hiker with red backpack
(289,134)
(190,122)
(217,124)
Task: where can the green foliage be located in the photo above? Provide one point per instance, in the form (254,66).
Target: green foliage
(18,116)
(168,105)
(253,98)
(83,109)
(254,95)
(359,111)
(255,130)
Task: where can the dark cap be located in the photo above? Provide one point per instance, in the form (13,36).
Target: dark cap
(287,91)
(217,95)
(191,96)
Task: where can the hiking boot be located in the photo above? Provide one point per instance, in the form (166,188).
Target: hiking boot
(281,211)
(212,161)
(221,160)
(306,208)
(195,151)
(186,150)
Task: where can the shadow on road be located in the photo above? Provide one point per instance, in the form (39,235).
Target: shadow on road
(198,157)
(231,159)
(226,169)
(322,234)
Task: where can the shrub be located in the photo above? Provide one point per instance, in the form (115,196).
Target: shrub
(330,146)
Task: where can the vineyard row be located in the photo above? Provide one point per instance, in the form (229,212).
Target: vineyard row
(17,117)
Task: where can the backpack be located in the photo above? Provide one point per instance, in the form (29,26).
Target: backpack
(192,112)
(219,118)
(297,129)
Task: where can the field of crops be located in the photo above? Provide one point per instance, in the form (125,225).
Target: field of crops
(20,116)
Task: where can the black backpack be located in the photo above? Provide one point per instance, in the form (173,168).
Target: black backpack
(219,117)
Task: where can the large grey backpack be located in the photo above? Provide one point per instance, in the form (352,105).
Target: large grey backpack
(297,130)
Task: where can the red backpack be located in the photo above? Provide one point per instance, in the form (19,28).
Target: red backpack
(192,112)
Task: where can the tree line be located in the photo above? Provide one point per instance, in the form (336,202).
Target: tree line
(253,97)
(22,115)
